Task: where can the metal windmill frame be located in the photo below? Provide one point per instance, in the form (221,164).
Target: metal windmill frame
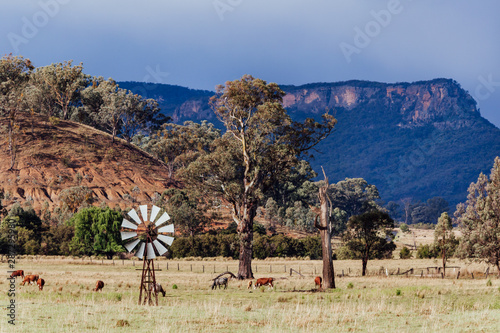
(149,235)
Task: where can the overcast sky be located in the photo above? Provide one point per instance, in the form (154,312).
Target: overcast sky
(202,43)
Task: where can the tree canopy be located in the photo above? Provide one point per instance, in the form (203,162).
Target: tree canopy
(368,236)
(97,232)
(479,219)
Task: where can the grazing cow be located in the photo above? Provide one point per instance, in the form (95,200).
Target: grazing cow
(264,282)
(98,286)
(219,282)
(159,289)
(40,282)
(249,284)
(30,279)
(15,274)
(318,281)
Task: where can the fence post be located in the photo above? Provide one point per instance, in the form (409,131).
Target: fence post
(191,267)
(178,266)
(285,268)
(458,275)
(290,272)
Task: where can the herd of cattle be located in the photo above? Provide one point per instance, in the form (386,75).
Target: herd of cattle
(36,279)
(217,282)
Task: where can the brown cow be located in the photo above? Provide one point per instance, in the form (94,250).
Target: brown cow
(264,282)
(249,284)
(30,279)
(40,282)
(318,281)
(98,286)
(15,274)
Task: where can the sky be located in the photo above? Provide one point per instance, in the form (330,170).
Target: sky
(202,43)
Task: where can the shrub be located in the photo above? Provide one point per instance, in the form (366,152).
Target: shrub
(350,285)
(426,252)
(174,286)
(404,227)
(398,292)
(405,253)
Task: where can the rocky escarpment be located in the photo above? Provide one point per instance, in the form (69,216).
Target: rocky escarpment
(441,102)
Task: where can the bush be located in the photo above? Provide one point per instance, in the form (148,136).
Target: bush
(405,253)
(426,252)
(404,227)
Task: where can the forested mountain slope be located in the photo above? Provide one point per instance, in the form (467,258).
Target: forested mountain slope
(418,140)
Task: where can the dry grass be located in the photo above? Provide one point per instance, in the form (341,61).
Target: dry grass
(373,304)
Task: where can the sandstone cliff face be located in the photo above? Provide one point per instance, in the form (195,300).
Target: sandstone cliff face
(417,104)
(441,102)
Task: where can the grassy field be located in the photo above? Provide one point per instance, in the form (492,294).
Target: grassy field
(375,303)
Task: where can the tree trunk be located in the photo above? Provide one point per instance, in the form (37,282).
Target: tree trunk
(365,263)
(444,261)
(245,232)
(326,239)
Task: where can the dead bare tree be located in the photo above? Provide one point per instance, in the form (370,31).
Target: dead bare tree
(325,230)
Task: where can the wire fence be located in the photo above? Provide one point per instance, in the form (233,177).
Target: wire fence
(303,269)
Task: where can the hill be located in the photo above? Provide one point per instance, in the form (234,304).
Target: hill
(412,140)
(52,157)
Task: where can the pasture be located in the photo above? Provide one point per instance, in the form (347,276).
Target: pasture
(376,303)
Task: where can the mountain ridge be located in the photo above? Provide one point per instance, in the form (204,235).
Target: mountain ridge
(410,139)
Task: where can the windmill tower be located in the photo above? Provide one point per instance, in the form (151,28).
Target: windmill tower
(149,236)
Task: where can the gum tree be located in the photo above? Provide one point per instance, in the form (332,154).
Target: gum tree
(261,144)
(479,219)
(444,237)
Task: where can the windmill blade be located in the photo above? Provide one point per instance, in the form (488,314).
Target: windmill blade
(144,212)
(134,216)
(151,252)
(128,224)
(166,239)
(168,228)
(127,234)
(154,211)
(130,246)
(140,252)
(160,248)
(164,218)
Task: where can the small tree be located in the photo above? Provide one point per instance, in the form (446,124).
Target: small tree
(479,219)
(97,232)
(444,237)
(404,227)
(368,236)
(405,253)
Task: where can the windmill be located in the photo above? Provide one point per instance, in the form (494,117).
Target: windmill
(149,236)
